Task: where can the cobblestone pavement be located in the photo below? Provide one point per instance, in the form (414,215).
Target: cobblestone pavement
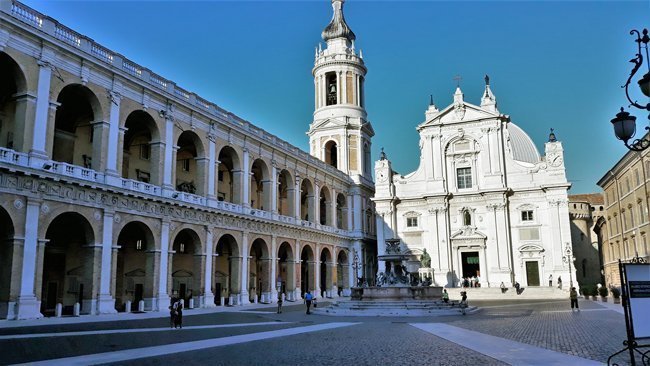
(594,333)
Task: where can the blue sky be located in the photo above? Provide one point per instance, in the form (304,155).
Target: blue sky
(553,64)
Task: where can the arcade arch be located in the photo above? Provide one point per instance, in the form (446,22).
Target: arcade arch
(307,212)
(341,212)
(285,269)
(286,194)
(325,206)
(229,176)
(13,104)
(259,268)
(78,119)
(307,270)
(69,270)
(7,255)
(139,161)
(260,187)
(187,266)
(325,280)
(226,264)
(190,164)
(135,267)
(343,273)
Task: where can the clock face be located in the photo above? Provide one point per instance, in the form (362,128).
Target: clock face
(381,177)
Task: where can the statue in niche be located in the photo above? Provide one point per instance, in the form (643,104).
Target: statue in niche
(425,259)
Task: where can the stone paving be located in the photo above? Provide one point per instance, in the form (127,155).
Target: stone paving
(594,333)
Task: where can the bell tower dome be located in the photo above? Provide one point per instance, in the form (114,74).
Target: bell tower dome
(340,133)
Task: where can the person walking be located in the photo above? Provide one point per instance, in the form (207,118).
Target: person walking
(503,287)
(308,299)
(445,296)
(279,303)
(559,282)
(177,308)
(463,301)
(517,288)
(550,280)
(573,295)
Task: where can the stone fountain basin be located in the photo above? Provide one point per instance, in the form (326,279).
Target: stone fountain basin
(396,293)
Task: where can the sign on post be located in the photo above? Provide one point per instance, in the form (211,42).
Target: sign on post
(638,289)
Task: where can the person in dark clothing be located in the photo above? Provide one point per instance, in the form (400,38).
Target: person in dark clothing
(177,310)
(573,295)
(308,300)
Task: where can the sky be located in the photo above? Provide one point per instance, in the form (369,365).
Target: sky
(552,64)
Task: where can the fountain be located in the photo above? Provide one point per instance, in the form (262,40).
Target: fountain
(397,282)
(405,288)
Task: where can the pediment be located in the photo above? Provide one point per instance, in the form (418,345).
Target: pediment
(531,248)
(328,123)
(463,112)
(468,233)
(139,272)
(182,273)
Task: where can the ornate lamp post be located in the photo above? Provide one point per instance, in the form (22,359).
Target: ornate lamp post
(568,258)
(356,265)
(624,123)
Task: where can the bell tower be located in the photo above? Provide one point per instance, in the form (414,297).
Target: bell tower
(340,134)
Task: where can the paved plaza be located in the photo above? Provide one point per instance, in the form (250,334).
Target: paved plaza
(499,333)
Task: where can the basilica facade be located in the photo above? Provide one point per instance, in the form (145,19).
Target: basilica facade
(119,189)
(483,203)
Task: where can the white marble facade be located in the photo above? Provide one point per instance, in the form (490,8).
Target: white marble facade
(483,202)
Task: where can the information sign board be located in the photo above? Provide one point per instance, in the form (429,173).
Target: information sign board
(638,289)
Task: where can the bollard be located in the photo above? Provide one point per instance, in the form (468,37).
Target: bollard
(141,306)
(76,309)
(255,299)
(223,301)
(127,307)
(190,304)
(58,310)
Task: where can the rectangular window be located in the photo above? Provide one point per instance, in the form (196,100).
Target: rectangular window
(631,218)
(220,175)
(627,184)
(464,178)
(636,177)
(641,213)
(145,151)
(527,215)
(185,165)
(531,233)
(411,222)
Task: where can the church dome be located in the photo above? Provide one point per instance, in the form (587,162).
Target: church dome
(338,28)
(523,148)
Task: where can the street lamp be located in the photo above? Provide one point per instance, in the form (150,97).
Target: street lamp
(568,258)
(356,265)
(624,123)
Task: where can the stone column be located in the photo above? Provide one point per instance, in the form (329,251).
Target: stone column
(163,294)
(330,287)
(100,141)
(274,192)
(297,271)
(381,244)
(350,213)
(212,165)
(317,274)
(113,147)
(358,226)
(296,200)
(333,213)
(28,306)
(274,268)
(246,184)
(169,161)
(105,301)
(314,210)
(38,151)
(202,167)
(244,270)
(209,296)
(157,162)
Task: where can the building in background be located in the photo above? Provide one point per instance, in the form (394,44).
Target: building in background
(119,189)
(625,228)
(587,213)
(483,202)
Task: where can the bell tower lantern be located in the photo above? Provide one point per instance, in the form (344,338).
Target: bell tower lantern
(340,133)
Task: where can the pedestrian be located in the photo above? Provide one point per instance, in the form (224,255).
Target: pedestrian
(445,296)
(463,301)
(517,288)
(550,280)
(573,295)
(308,299)
(559,282)
(503,288)
(177,308)
(279,303)
(172,311)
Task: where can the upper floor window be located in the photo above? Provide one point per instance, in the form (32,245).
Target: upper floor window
(464,178)
(411,222)
(637,179)
(527,215)
(145,151)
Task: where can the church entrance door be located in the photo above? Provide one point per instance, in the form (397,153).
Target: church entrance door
(532,273)
(471,267)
